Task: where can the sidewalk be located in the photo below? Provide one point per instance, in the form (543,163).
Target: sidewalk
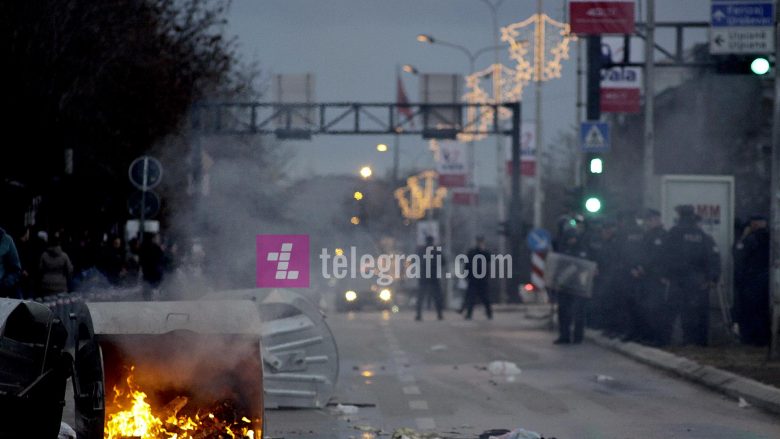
(731,370)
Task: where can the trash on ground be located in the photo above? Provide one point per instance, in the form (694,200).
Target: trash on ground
(439,347)
(347,409)
(408,433)
(504,368)
(367,428)
(519,433)
(66,432)
(604,378)
(742,403)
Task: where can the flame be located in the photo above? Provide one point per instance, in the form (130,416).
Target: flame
(133,417)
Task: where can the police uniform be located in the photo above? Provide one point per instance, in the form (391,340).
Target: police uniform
(571,307)
(693,264)
(753,313)
(631,294)
(653,289)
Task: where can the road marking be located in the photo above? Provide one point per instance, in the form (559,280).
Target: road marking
(425,423)
(411,390)
(418,404)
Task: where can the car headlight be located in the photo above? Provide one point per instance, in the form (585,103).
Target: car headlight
(385,294)
(350,296)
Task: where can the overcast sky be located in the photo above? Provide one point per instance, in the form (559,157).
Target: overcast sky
(353,46)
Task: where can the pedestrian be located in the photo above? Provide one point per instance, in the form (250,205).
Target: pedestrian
(649,272)
(571,305)
(113,261)
(10,267)
(752,311)
(432,261)
(692,270)
(54,269)
(478,279)
(152,260)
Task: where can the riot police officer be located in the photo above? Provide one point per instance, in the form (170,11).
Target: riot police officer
(693,268)
(649,271)
(571,307)
(633,299)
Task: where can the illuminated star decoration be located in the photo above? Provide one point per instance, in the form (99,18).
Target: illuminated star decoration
(509,89)
(415,199)
(550,47)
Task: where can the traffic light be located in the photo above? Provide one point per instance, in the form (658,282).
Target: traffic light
(593,204)
(596,165)
(744,64)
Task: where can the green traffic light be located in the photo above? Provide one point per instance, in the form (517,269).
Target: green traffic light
(596,166)
(760,66)
(593,205)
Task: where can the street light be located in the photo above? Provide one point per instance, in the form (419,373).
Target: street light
(355,220)
(424,38)
(381,147)
(358,195)
(366,172)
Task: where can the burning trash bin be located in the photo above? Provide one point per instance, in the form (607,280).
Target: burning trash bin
(158,369)
(33,370)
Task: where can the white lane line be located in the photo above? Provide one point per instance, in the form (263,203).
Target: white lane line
(418,404)
(425,423)
(411,390)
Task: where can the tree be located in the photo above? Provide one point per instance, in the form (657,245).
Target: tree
(106,79)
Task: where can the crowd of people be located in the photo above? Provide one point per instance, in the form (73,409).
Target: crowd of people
(42,263)
(648,277)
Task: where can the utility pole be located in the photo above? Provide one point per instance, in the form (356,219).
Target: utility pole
(649,193)
(539,49)
(578,171)
(396,137)
(593,109)
(774,194)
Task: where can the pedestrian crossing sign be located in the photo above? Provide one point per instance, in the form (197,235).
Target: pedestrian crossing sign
(594,136)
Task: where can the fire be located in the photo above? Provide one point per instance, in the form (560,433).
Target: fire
(133,417)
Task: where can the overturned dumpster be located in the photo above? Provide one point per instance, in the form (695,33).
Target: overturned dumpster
(155,369)
(33,370)
(300,356)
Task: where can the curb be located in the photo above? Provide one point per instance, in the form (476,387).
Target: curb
(758,394)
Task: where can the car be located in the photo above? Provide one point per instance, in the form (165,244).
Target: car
(356,296)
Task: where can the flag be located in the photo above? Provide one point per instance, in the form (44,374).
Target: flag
(403,102)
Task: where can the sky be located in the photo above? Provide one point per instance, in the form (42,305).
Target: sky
(353,47)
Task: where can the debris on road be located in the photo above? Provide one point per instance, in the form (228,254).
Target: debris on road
(742,403)
(519,433)
(504,368)
(408,433)
(346,409)
(438,347)
(604,378)
(368,429)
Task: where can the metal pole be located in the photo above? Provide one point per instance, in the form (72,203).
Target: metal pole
(500,171)
(515,216)
(538,71)
(396,140)
(142,226)
(649,162)
(774,193)
(578,171)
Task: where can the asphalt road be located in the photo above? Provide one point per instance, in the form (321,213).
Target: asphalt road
(393,369)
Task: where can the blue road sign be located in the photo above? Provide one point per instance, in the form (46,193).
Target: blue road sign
(734,13)
(594,136)
(539,240)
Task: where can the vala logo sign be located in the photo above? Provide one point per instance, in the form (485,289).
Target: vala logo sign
(620,86)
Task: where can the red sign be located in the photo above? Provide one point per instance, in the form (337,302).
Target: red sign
(465,197)
(453,180)
(620,100)
(602,17)
(527,167)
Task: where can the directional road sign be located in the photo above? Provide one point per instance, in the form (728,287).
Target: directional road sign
(539,240)
(594,136)
(741,27)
